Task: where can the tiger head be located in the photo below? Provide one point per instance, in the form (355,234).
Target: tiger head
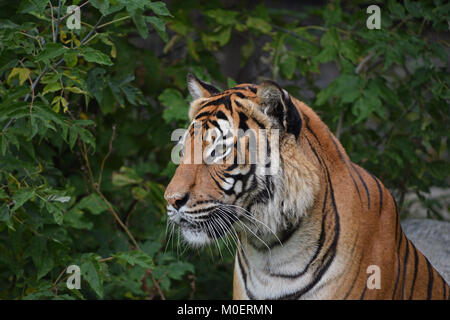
(242,169)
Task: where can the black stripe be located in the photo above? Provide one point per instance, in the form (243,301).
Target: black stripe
(220,177)
(225,100)
(444,288)
(397,218)
(211,89)
(200,210)
(231,167)
(405,264)
(380,192)
(243,121)
(311,130)
(244,274)
(363,293)
(416,265)
(398,267)
(217,183)
(239,94)
(239,88)
(293,119)
(216,125)
(221,115)
(245,88)
(341,156)
(364,184)
(430,279)
(203,114)
(252,89)
(321,162)
(354,280)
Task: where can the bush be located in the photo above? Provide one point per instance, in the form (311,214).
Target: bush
(86,116)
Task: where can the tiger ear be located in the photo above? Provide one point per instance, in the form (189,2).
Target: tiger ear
(277,104)
(198,88)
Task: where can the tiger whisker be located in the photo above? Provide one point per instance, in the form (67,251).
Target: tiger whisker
(227,235)
(251,231)
(249,216)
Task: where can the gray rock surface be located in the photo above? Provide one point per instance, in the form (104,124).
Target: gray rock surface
(432,238)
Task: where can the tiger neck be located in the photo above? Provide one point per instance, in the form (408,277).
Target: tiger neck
(301,262)
(289,268)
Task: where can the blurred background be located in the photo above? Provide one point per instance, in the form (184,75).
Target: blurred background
(87,108)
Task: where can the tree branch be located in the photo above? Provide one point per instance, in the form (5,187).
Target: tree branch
(44,71)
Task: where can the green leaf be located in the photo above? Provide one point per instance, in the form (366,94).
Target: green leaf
(231,83)
(71,58)
(75,90)
(126,176)
(96,56)
(52,87)
(139,20)
(302,48)
(222,17)
(159,25)
(414,8)
(33,5)
(366,104)
(76,219)
(159,8)
(94,203)
(5,216)
(95,83)
(135,257)
(51,51)
(259,24)
(139,193)
(220,37)
(73,135)
(86,136)
(287,66)
(90,271)
(23,73)
(176,106)
(396,9)
(22,196)
(247,50)
(40,256)
(333,13)
(102,5)
(348,87)
(4,144)
(326,55)
(56,210)
(176,270)
(350,50)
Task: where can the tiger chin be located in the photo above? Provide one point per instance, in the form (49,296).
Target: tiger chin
(308,223)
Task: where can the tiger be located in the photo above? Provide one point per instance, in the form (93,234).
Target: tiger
(318,227)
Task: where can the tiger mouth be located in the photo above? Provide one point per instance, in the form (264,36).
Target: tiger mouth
(213,226)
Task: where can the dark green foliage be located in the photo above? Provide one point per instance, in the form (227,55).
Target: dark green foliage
(85,155)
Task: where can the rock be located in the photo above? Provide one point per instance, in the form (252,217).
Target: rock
(432,238)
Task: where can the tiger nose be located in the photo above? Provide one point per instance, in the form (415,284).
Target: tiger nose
(177,200)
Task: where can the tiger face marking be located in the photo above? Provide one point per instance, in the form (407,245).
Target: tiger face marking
(229,179)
